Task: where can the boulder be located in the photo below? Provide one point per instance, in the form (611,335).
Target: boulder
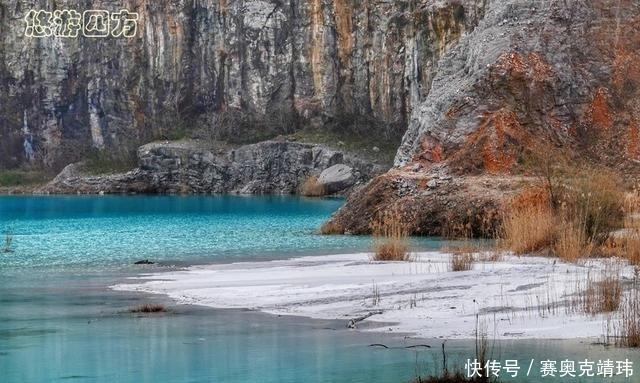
(337,178)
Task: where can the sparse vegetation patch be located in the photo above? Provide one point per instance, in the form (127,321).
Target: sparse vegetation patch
(629,327)
(19,177)
(574,216)
(312,188)
(390,231)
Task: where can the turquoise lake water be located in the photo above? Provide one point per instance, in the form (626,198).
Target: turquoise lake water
(60,322)
(107,231)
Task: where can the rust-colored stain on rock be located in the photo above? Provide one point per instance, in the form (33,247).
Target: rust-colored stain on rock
(317,43)
(600,111)
(512,62)
(540,69)
(632,141)
(499,134)
(344,28)
(432,151)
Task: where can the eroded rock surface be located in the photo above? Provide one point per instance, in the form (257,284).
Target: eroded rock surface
(189,166)
(562,74)
(241,70)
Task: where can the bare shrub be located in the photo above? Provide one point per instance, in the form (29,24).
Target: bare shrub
(312,188)
(390,231)
(592,200)
(462,255)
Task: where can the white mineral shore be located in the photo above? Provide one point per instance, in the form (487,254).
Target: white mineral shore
(516,297)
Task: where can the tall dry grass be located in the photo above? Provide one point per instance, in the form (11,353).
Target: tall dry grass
(462,255)
(625,245)
(461,261)
(390,230)
(312,188)
(571,242)
(528,229)
(629,326)
(331,227)
(602,296)
(626,242)
(593,200)
(599,291)
(572,219)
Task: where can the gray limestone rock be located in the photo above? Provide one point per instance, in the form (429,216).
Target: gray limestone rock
(337,178)
(190,166)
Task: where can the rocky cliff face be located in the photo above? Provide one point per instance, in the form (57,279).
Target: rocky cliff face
(189,166)
(236,70)
(533,74)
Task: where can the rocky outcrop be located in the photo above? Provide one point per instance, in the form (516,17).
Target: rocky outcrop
(74,178)
(552,74)
(337,178)
(189,166)
(241,70)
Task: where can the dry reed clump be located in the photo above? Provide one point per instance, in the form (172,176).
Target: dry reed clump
(629,325)
(600,294)
(391,249)
(461,262)
(462,255)
(312,188)
(625,245)
(149,308)
(528,229)
(331,227)
(632,210)
(575,218)
(571,243)
(477,250)
(626,242)
(592,200)
(632,203)
(390,231)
